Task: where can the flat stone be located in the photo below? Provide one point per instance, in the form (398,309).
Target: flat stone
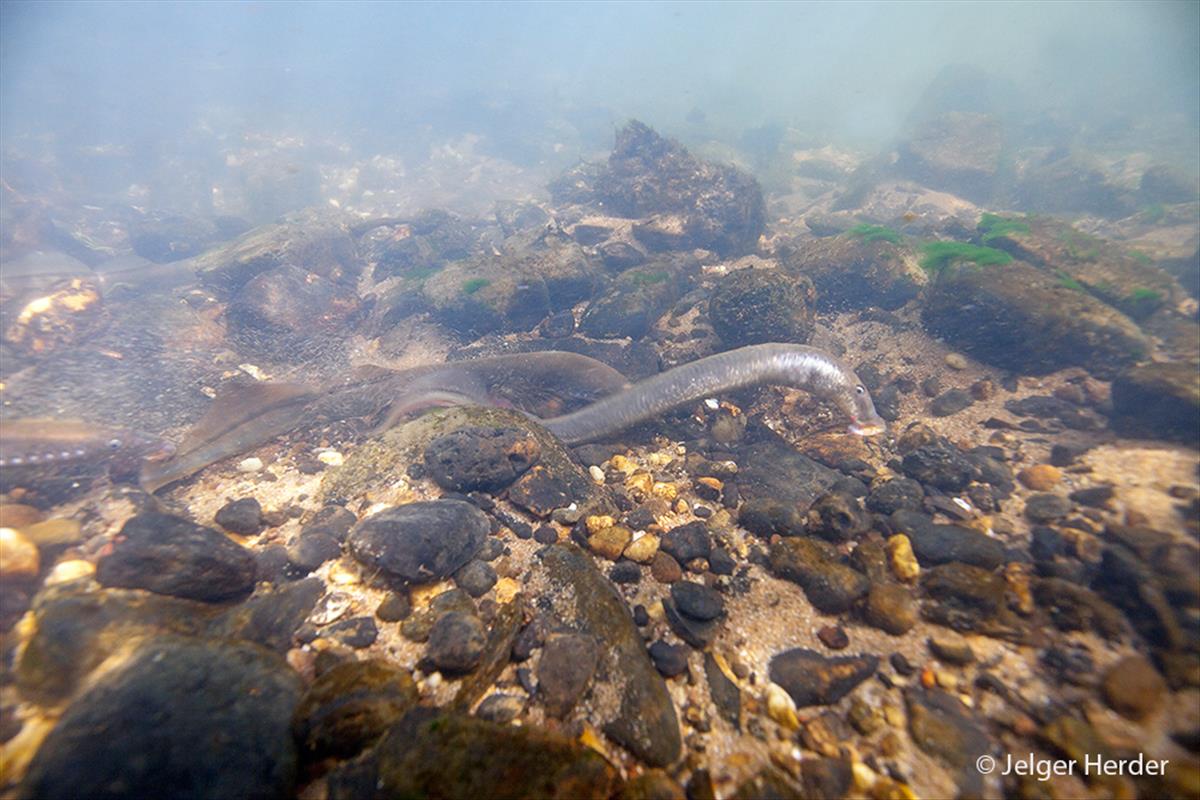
(698,633)
(891,608)
(356,632)
(934,543)
(1046,507)
(482,459)
(456,642)
(565,671)
(943,727)
(697,600)
(686,542)
(832,587)
(171,555)
(312,549)
(420,542)
(241,516)
(476,578)
(813,679)
(669,659)
(950,402)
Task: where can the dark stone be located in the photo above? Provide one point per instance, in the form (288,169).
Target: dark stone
(645,721)
(504,626)
(834,637)
(271,562)
(456,642)
(851,272)
(420,542)
(837,518)
(171,555)
(966,597)
(950,402)
(271,618)
(664,568)
(1072,607)
(557,325)
(669,659)
(545,534)
(815,680)
(773,470)
(724,691)
(943,727)
(1064,455)
(539,492)
(933,543)
(767,517)
(1160,400)
(721,562)
(475,578)
(625,572)
(565,671)
(753,306)
(901,665)
(394,607)
(940,465)
(171,237)
(349,707)
(480,459)
(333,521)
(356,632)
(698,633)
(686,542)
(182,718)
(697,600)
(311,550)
(241,516)
(432,753)
(1093,496)
(891,496)
(832,587)
(955,151)
(1046,507)
(1133,688)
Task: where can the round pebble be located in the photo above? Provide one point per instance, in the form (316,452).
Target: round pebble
(18,555)
(697,600)
(252,464)
(1040,477)
(476,578)
(956,361)
(669,659)
(1046,507)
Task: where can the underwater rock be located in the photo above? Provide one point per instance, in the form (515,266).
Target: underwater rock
(1133,688)
(65,316)
(314,241)
(349,707)
(1020,318)
(311,549)
(565,671)
(184,717)
(1045,507)
(645,720)
(965,597)
(634,302)
(289,301)
(1158,400)
(955,151)
(699,633)
(476,578)
(432,753)
(420,542)
(421,245)
(934,543)
(945,728)
(456,642)
(634,360)
(832,587)
(171,555)
(860,269)
(891,496)
(356,632)
(816,680)
(940,465)
(170,237)
(1108,270)
(891,608)
(773,470)
(753,306)
(697,601)
(950,402)
(480,459)
(718,207)
(243,517)
(686,542)
(669,659)
(837,517)
(1071,184)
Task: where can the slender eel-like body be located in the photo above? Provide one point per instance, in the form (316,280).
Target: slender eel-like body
(798,366)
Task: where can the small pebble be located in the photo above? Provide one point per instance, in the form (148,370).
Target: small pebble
(610,542)
(951,649)
(394,607)
(1040,477)
(1046,507)
(330,458)
(545,534)
(242,517)
(901,665)
(697,600)
(665,569)
(669,659)
(834,637)
(956,361)
(643,548)
(475,577)
(721,563)
(625,572)
(18,555)
(311,550)
(252,464)
(641,617)
(596,473)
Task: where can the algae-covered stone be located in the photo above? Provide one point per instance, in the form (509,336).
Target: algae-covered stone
(634,706)
(430,753)
(349,707)
(183,718)
(943,727)
(814,679)
(634,302)
(857,270)
(832,587)
(1024,319)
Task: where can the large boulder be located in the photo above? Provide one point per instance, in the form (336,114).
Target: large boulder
(754,306)
(867,266)
(958,151)
(1020,318)
(1158,400)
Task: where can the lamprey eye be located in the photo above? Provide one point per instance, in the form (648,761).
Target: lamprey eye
(860,389)
(114,444)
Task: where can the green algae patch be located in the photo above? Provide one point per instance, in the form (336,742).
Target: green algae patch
(993,226)
(937,256)
(874,233)
(473,285)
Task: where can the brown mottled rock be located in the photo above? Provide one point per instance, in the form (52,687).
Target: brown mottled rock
(813,679)
(829,585)
(1040,477)
(1133,687)
(350,706)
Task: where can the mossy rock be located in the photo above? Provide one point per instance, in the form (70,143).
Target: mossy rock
(753,306)
(1105,269)
(1022,319)
(349,707)
(854,271)
(634,301)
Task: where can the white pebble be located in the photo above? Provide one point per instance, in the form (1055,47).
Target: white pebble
(596,473)
(712,404)
(330,458)
(253,371)
(956,361)
(251,464)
